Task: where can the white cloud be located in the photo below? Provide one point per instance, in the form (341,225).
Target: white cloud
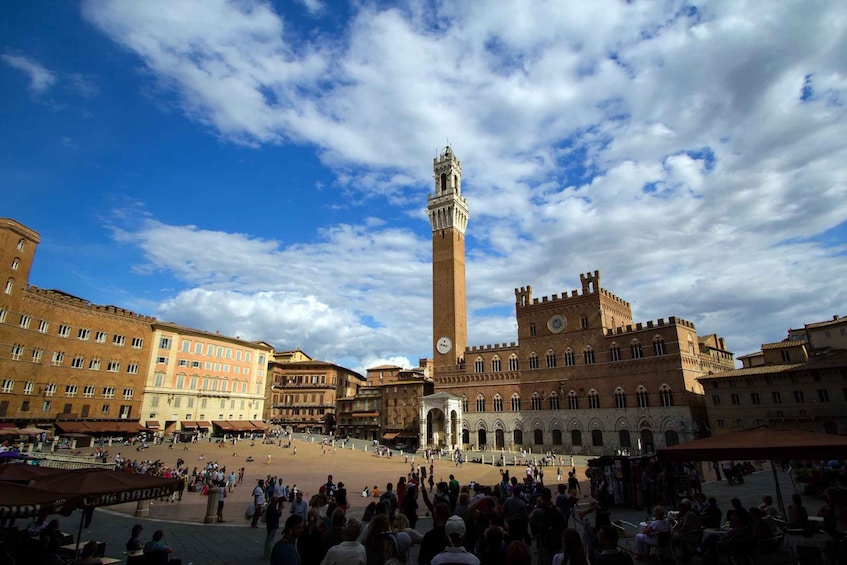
(666,145)
(40,78)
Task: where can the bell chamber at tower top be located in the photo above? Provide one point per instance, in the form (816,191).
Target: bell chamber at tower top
(447,207)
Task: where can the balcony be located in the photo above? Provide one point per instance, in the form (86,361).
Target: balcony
(301,386)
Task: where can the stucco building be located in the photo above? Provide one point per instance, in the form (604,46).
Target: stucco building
(798,383)
(582,375)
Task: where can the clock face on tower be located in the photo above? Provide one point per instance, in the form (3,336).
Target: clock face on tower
(443,345)
(556,323)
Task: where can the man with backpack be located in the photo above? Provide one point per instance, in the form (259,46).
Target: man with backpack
(548,524)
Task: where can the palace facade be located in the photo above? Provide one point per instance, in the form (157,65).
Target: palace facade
(581,377)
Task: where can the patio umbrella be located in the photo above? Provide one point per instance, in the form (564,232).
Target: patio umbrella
(21,501)
(31,431)
(760,443)
(24,473)
(9,432)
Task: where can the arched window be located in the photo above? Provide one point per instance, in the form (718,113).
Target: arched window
(480,403)
(690,346)
(9,284)
(514,364)
(615,352)
(636,349)
(517,437)
(624,439)
(533,360)
(551,359)
(15,263)
(464,404)
(665,396)
(589,355)
(671,438)
(21,245)
(536,401)
(573,400)
(641,397)
(538,437)
(576,437)
(658,346)
(554,401)
(498,403)
(557,437)
(593,399)
(479,365)
(620,398)
(597,438)
(495,365)
(570,360)
(516,403)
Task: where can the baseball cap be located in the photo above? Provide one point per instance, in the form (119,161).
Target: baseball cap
(455,526)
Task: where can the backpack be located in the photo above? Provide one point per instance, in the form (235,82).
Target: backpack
(551,528)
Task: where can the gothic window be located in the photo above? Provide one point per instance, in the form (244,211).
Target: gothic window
(641,397)
(557,437)
(593,399)
(624,439)
(658,346)
(671,438)
(495,365)
(514,364)
(516,403)
(538,437)
(620,398)
(583,321)
(570,360)
(533,360)
(532,329)
(498,403)
(573,400)
(665,396)
(690,346)
(517,436)
(576,437)
(480,403)
(554,401)
(551,359)
(597,438)
(589,355)
(464,404)
(615,352)
(637,351)
(479,365)
(536,401)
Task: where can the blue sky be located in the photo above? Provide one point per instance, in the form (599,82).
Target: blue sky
(262,168)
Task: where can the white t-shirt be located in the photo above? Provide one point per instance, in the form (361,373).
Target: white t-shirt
(259,494)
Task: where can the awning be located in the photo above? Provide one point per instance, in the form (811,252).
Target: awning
(73,427)
(130,427)
(189,425)
(366,415)
(408,435)
(390,436)
(7,425)
(204,425)
(153,425)
(240,426)
(223,425)
(258,424)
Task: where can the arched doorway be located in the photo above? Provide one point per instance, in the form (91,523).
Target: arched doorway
(671,438)
(538,437)
(623,438)
(436,433)
(557,437)
(481,439)
(466,436)
(499,439)
(517,437)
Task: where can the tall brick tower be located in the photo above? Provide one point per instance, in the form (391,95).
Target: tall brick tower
(448,217)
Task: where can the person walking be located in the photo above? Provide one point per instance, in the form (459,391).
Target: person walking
(272,516)
(258,502)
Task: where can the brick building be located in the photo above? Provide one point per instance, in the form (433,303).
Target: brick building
(582,376)
(63,360)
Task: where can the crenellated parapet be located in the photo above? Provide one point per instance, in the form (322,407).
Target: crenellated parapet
(523,295)
(62,298)
(650,325)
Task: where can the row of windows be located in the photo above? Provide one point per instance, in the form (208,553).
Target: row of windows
(211,350)
(175,401)
(776,397)
(57,359)
(71,390)
(64,330)
(124,411)
(642,400)
(209,366)
(569,357)
(624,439)
(208,383)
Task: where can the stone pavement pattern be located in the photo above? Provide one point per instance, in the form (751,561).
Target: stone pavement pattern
(235,542)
